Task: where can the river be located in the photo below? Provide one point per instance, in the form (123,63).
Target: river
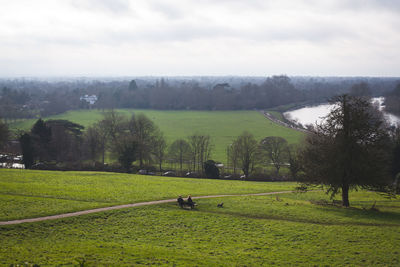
(315,114)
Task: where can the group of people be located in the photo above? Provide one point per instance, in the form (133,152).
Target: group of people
(189,202)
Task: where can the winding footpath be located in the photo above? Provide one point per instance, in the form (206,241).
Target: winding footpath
(83,212)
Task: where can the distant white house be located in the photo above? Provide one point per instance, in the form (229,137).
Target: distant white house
(91,99)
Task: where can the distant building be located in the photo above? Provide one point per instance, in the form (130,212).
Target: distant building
(91,99)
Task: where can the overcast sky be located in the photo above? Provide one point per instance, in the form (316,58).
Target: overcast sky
(199,37)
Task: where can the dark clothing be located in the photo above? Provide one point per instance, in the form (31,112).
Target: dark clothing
(190,202)
(180,201)
(183,203)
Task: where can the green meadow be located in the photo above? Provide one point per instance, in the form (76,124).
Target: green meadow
(291,229)
(222,126)
(28,193)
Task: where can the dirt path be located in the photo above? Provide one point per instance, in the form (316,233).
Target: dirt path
(83,212)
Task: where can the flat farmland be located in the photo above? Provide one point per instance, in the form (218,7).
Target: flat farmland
(222,126)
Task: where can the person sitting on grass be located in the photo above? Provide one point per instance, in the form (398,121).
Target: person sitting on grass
(180,201)
(190,202)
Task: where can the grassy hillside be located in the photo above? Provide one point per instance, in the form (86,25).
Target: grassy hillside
(222,126)
(27,193)
(248,231)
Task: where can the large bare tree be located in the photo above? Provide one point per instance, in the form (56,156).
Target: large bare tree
(246,146)
(93,142)
(273,149)
(232,154)
(145,132)
(113,124)
(180,151)
(159,147)
(201,147)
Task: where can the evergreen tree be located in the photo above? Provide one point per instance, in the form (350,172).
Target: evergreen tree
(25,141)
(349,150)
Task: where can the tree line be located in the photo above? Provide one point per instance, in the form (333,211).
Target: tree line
(138,140)
(248,156)
(392,101)
(32,99)
(115,137)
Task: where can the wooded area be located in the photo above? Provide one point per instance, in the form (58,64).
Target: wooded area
(22,98)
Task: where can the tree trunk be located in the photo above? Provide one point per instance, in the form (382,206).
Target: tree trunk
(245,170)
(103,152)
(140,160)
(345,195)
(277,167)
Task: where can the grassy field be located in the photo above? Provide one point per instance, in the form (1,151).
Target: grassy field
(247,231)
(277,115)
(222,126)
(27,193)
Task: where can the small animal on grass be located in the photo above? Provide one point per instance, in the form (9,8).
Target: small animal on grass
(220,205)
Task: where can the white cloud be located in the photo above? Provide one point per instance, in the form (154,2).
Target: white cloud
(199,37)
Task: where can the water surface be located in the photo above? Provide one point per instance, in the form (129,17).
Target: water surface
(315,114)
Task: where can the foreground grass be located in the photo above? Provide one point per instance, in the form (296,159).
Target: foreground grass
(248,231)
(27,193)
(222,126)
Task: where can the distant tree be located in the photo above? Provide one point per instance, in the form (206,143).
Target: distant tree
(27,149)
(159,147)
(109,128)
(274,149)
(41,135)
(41,131)
(113,124)
(360,89)
(145,132)
(133,86)
(349,150)
(66,140)
(180,151)
(211,170)
(103,135)
(392,101)
(396,91)
(126,150)
(247,150)
(275,91)
(93,142)
(294,161)
(201,150)
(4,134)
(232,153)
(72,127)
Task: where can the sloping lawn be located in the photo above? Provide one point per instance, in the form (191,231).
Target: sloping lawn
(28,193)
(288,230)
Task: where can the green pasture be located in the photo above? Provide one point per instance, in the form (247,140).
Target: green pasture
(28,193)
(297,229)
(222,126)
